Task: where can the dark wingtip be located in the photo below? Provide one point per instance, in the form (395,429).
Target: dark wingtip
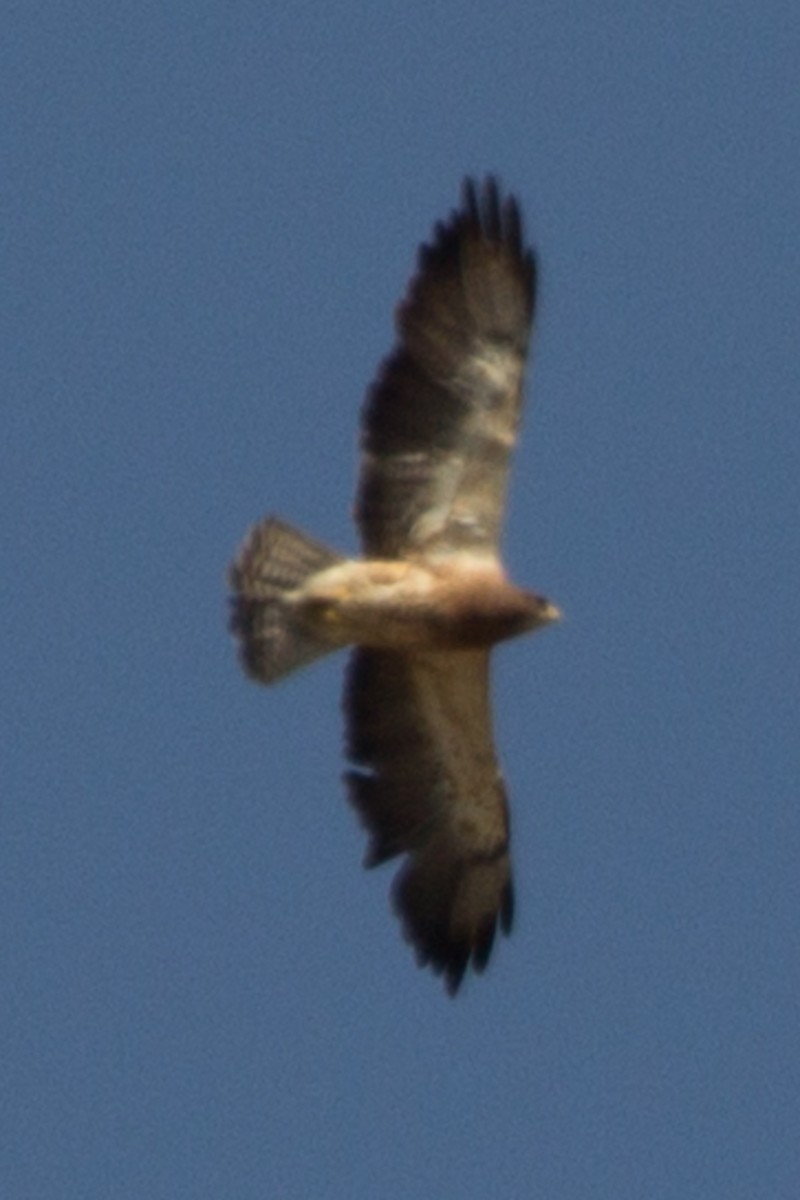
(427,930)
(491,214)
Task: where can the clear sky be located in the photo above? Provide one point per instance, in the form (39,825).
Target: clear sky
(209,211)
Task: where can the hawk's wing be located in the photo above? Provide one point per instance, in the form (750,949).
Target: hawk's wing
(426,783)
(441,418)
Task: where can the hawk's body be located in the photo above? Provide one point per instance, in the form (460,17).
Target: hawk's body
(430,597)
(397,604)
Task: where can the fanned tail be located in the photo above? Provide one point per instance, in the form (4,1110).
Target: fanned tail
(274,560)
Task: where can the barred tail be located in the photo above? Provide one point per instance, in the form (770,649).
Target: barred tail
(274,560)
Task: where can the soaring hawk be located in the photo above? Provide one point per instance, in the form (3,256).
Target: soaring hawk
(429,598)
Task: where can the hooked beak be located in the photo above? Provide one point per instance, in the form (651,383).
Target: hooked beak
(550,612)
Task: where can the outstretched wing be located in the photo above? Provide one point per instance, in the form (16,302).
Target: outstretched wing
(426,783)
(441,420)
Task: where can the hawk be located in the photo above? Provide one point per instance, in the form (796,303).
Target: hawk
(428,600)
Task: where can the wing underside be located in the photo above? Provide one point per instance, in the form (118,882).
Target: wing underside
(441,420)
(426,783)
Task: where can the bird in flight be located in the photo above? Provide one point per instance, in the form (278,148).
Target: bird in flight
(424,605)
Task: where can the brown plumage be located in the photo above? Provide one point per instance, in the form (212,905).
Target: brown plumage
(429,599)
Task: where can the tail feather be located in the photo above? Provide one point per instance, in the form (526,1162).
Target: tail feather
(274,560)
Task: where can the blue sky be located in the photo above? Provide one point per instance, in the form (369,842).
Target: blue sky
(209,212)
